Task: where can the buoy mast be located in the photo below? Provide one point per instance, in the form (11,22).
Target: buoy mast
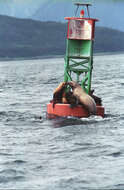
(79,49)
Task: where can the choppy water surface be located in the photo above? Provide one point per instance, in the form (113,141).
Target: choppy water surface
(61,153)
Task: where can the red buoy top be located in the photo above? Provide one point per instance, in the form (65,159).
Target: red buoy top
(80,28)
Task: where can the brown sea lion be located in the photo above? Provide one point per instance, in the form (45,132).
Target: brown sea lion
(71,99)
(58,95)
(64,100)
(97,99)
(86,100)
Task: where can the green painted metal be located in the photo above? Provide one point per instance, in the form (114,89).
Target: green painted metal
(79,62)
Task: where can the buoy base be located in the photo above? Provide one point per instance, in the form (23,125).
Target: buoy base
(64,110)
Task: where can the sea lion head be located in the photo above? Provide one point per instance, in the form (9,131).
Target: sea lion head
(72,84)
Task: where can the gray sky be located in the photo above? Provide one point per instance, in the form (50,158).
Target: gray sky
(109,12)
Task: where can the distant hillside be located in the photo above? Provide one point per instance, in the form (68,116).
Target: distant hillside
(108,40)
(28,38)
(109,12)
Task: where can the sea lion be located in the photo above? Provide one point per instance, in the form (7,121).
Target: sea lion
(86,100)
(62,95)
(97,99)
(71,99)
(58,95)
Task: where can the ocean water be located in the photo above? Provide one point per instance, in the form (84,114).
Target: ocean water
(62,153)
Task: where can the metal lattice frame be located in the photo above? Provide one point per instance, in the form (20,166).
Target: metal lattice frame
(81,66)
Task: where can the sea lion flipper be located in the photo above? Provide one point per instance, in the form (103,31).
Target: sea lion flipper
(74,104)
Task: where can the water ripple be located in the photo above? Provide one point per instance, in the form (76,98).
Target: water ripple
(61,153)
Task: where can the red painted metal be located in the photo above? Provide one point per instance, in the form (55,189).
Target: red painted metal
(68,29)
(79,18)
(64,110)
(80,28)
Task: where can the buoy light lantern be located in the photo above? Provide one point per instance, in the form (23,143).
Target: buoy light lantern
(82,13)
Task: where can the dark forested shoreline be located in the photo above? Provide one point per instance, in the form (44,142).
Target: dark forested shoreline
(26,38)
